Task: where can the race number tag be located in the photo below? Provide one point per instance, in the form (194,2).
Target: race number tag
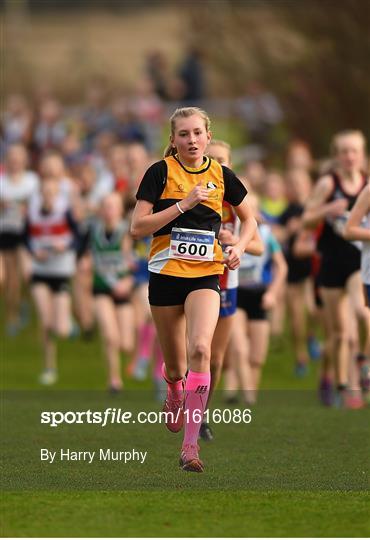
(192,244)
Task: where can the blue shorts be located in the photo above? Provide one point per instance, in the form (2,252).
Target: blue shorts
(141,274)
(228,302)
(367,287)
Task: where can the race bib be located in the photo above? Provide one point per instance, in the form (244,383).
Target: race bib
(248,276)
(192,244)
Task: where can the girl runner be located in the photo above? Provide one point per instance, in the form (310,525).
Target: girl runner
(299,283)
(305,246)
(180,202)
(89,201)
(358,228)
(335,194)
(273,203)
(360,215)
(52,238)
(112,285)
(138,160)
(250,332)
(17,184)
(221,151)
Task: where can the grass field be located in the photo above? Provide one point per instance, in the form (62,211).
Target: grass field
(296,470)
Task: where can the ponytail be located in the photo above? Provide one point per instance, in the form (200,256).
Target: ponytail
(170,150)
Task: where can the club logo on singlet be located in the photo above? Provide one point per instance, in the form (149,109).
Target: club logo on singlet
(211,185)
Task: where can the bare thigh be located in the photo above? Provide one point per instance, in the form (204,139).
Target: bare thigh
(141,304)
(296,303)
(43,299)
(107,320)
(239,343)
(126,324)
(309,294)
(259,332)
(356,296)
(12,276)
(296,295)
(11,265)
(335,304)
(2,269)
(62,313)
(25,262)
(202,308)
(84,275)
(239,351)
(221,337)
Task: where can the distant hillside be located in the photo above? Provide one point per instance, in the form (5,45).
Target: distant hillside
(63,50)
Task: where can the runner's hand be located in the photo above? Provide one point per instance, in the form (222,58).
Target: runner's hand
(197,195)
(268,300)
(59,246)
(123,287)
(337,208)
(232,260)
(41,255)
(226,237)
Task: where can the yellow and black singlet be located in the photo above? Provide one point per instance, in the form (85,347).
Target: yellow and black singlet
(188,246)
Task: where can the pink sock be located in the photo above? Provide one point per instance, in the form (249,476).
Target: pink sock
(158,361)
(174,389)
(196,396)
(146,336)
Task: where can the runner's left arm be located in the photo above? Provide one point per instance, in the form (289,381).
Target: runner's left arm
(353,229)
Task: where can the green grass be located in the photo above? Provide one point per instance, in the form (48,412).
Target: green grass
(135,514)
(296,470)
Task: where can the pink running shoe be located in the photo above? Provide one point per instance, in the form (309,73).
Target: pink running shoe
(189,459)
(175,412)
(354,402)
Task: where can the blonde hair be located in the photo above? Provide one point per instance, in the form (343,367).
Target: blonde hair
(223,144)
(346,133)
(218,142)
(185,112)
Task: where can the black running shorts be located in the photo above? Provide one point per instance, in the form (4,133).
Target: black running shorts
(117,301)
(172,291)
(10,241)
(56,284)
(250,301)
(335,273)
